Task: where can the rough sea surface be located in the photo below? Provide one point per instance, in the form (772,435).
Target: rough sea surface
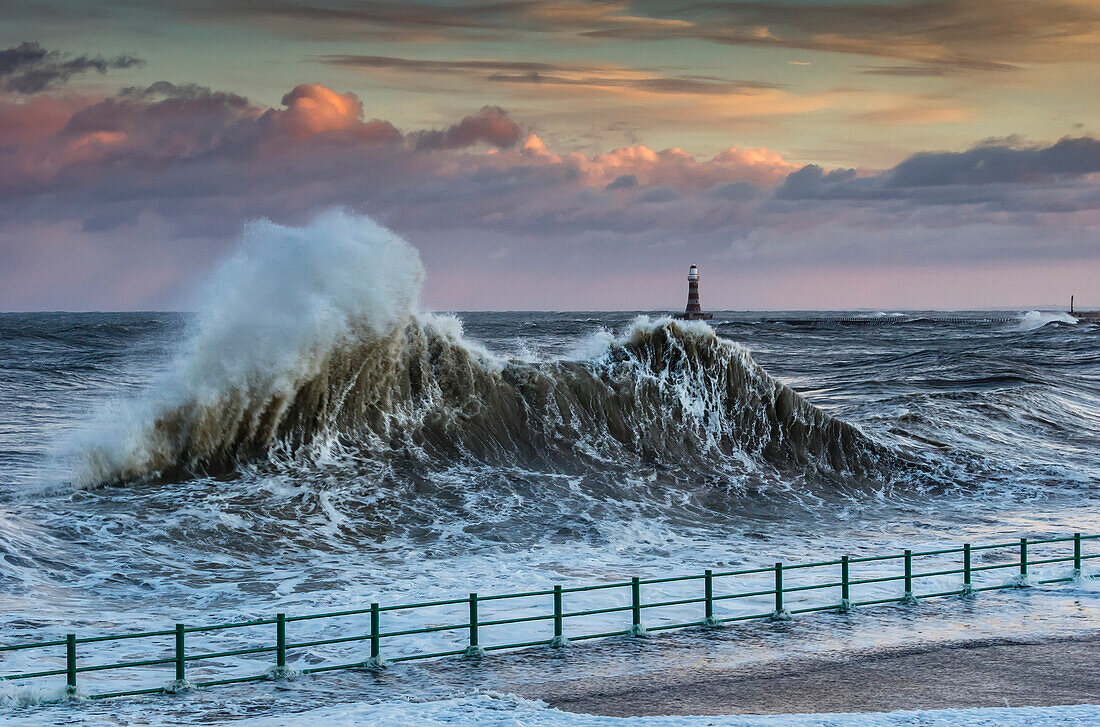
(282,451)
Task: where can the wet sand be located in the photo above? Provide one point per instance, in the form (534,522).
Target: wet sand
(987,673)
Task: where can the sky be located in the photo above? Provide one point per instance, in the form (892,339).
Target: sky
(562,154)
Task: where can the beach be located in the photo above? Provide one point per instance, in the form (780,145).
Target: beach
(957,675)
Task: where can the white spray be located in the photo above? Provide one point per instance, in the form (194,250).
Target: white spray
(268,319)
(1035,319)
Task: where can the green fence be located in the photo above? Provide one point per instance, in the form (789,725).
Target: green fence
(714,591)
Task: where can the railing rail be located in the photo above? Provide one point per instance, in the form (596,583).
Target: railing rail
(555,600)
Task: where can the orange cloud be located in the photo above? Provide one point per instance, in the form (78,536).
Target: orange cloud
(674,167)
(312,109)
(914,114)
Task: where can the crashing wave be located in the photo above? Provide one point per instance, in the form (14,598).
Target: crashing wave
(310,338)
(1035,319)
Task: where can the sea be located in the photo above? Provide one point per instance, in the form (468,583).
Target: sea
(310,438)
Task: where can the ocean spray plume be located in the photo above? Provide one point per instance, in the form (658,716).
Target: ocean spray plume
(269,320)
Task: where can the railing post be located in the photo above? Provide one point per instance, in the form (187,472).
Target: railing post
(181,663)
(474,649)
(1023,582)
(280,641)
(473,619)
(559,637)
(1077,553)
(780,611)
(70,663)
(376,661)
(968,589)
(845,590)
(375,647)
(636,628)
(908,597)
(708,598)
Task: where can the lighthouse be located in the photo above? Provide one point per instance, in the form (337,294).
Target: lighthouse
(694,311)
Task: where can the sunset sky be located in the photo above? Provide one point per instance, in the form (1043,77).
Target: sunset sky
(543,154)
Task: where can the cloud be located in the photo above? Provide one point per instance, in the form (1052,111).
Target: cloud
(811,181)
(922,37)
(426,22)
(919,112)
(596,96)
(202,161)
(34,119)
(594,76)
(623,181)
(187,92)
(28,68)
(945,35)
(959,35)
(154,171)
(1000,163)
(165,146)
(997,174)
(313,110)
(932,70)
(491,126)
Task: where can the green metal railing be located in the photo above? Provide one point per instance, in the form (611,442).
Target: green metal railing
(181,658)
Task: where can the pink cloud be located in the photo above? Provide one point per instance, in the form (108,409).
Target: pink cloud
(39,117)
(675,167)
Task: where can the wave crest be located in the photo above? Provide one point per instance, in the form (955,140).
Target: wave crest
(288,368)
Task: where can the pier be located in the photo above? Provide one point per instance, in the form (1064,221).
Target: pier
(1092,316)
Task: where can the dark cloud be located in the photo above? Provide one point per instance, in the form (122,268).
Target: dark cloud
(659,194)
(811,181)
(1001,175)
(999,163)
(442,67)
(490,126)
(364,19)
(689,85)
(737,191)
(185,92)
(594,76)
(29,68)
(623,181)
(469,15)
(933,70)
